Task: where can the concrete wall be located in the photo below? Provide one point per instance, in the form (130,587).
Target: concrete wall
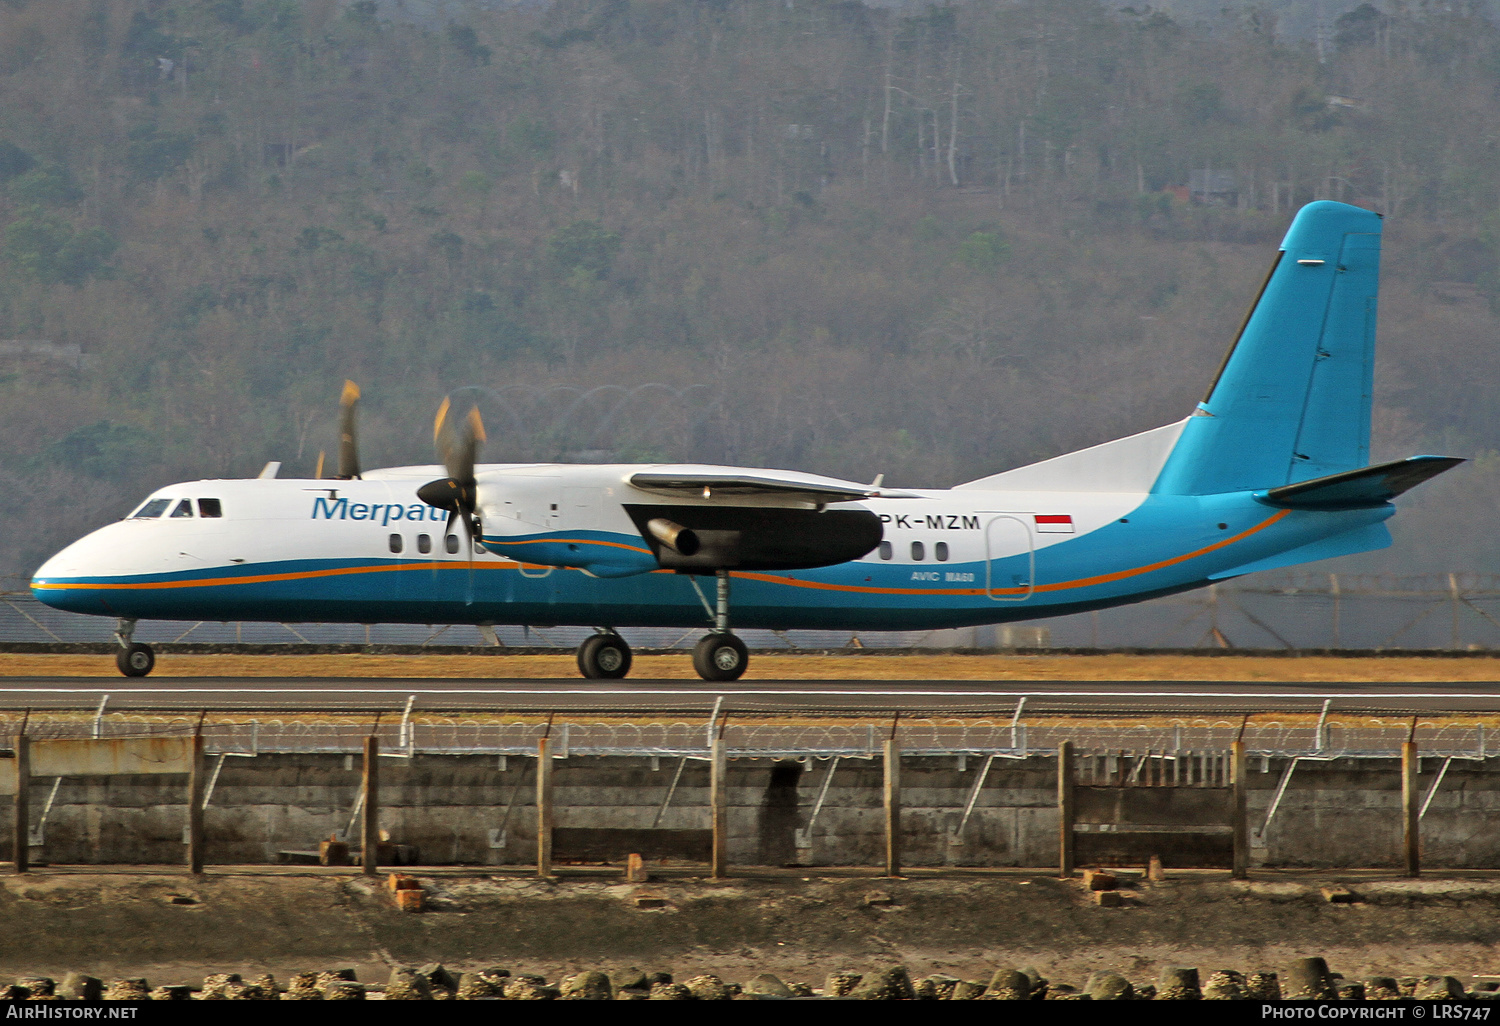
(1344,813)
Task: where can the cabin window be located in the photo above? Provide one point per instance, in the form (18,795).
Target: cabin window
(396,543)
(151,510)
(885,550)
(451,544)
(424,543)
(184,509)
(940,550)
(210,508)
(918,552)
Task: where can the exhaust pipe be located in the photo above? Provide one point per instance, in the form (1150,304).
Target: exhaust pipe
(674,536)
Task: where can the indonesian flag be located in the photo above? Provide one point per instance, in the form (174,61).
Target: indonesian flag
(1054,523)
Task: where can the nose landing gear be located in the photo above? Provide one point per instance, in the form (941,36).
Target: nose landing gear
(134,659)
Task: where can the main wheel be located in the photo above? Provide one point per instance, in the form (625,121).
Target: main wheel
(720,657)
(135,660)
(604,657)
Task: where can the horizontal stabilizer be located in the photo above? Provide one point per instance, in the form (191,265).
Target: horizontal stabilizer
(1359,489)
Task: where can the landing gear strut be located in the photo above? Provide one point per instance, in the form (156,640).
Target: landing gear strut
(721,655)
(605,656)
(133,658)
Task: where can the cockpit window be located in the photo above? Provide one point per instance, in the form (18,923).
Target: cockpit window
(210,508)
(151,510)
(184,509)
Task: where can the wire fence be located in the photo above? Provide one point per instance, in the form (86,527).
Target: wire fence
(1453,612)
(1331,736)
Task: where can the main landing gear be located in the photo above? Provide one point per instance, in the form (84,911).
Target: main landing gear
(719,656)
(133,658)
(605,656)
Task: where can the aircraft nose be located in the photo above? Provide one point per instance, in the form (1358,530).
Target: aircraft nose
(55,582)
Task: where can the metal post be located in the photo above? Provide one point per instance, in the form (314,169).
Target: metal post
(892,808)
(543,809)
(1065,810)
(1241,813)
(1410,809)
(718,799)
(196,781)
(369,826)
(23,804)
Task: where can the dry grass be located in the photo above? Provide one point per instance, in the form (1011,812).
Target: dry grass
(789,667)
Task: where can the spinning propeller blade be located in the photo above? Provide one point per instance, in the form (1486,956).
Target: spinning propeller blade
(348,433)
(458,493)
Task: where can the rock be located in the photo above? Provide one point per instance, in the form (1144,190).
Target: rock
(1263,987)
(267,983)
(965,990)
(437,976)
(1178,984)
(473,986)
(303,980)
(893,984)
(214,984)
(1146,992)
(1099,880)
(38,986)
(243,992)
(406,985)
(650,901)
(344,990)
(669,992)
(1038,983)
(128,990)
(1225,985)
(632,994)
(878,899)
(529,988)
(1109,899)
(766,986)
(707,988)
(1009,985)
(586,986)
(936,988)
(1408,985)
(1382,988)
(1307,979)
(635,869)
(78,987)
(1063,992)
(1339,896)
(173,993)
(801,990)
(1108,986)
(628,979)
(841,983)
(1351,991)
(1438,988)
(296,993)
(14,992)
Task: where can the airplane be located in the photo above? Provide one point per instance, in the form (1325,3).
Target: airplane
(1268,471)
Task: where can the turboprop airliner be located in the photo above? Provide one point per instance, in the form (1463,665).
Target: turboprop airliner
(1269,470)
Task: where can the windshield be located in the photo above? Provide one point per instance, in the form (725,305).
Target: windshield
(151,510)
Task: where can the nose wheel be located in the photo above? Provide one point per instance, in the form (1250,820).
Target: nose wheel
(133,658)
(605,656)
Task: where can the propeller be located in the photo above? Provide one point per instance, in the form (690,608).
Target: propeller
(348,435)
(458,493)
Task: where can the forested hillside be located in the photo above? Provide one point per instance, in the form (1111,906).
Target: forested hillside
(800,233)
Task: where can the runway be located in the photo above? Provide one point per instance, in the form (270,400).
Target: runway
(835,696)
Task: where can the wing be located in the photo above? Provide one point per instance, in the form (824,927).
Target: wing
(730,483)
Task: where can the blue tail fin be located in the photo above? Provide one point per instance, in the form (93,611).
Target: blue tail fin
(1292,400)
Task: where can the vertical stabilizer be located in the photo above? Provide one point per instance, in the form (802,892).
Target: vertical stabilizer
(1292,400)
